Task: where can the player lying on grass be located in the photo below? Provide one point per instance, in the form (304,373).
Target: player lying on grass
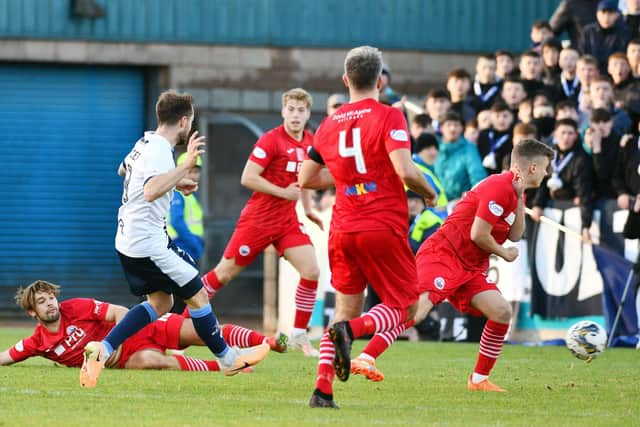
(64,328)
(452,263)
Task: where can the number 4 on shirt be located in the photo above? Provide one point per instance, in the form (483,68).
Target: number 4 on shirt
(354,151)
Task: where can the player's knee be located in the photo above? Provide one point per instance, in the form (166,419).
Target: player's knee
(161,307)
(310,273)
(502,313)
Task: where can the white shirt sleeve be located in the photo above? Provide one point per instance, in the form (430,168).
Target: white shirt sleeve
(158,159)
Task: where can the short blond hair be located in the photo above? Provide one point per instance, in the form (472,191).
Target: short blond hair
(297,94)
(26,297)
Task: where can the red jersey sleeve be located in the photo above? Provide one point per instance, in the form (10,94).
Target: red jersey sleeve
(494,202)
(263,150)
(24,349)
(87,309)
(396,134)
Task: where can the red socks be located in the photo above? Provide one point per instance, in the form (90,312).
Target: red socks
(490,346)
(380,318)
(211,283)
(324,380)
(190,364)
(305,301)
(241,337)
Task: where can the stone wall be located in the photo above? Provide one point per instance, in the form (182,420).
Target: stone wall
(236,78)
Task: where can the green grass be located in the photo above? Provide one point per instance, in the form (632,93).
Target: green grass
(424,385)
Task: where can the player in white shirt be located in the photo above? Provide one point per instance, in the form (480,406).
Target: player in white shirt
(152,264)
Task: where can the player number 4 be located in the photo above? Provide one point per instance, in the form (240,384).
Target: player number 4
(354,151)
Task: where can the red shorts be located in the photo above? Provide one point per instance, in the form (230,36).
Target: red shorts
(441,273)
(248,242)
(161,335)
(381,258)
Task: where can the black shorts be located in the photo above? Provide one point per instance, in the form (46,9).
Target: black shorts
(171,271)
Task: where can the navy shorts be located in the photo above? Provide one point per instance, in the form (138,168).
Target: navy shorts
(171,271)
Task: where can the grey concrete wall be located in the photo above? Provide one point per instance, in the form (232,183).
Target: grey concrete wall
(240,78)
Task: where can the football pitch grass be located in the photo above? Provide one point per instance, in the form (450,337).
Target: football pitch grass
(425,384)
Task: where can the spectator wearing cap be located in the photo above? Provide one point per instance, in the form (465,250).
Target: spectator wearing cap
(550,60)
(485,84)
(607,35)
(458,166)
(495,143)
(436,105)
(387,94)
(572,16)
(335,101)
(431,218)
(632,17)
(568,85)
(458,86)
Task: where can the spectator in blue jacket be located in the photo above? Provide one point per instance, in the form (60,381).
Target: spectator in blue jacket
(459,166)
(609,34)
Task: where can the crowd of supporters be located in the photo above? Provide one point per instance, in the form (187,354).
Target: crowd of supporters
(580,96)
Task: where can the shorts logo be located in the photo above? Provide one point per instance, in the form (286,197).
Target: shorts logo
(303,229)
(259,153)
(19,346)
(399,135)
(244,250)
(495,208)
(438,282)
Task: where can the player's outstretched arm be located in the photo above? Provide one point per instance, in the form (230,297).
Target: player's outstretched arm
(5,358)
(411,176)
(253,180)
(481,236)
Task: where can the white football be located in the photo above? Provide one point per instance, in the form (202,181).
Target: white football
(586,339)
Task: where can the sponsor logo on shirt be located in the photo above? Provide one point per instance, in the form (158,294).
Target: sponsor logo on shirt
(259,153)
(360,189)
(244,250)
(399,135)
(495,208)
(510,219)
(350,115)
(439,283)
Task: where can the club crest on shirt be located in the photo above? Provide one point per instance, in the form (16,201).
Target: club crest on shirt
(439,283)
(399,135)
(495,208)
(259,153)
(244,250)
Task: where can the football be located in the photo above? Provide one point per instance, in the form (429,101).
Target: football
(586,340)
